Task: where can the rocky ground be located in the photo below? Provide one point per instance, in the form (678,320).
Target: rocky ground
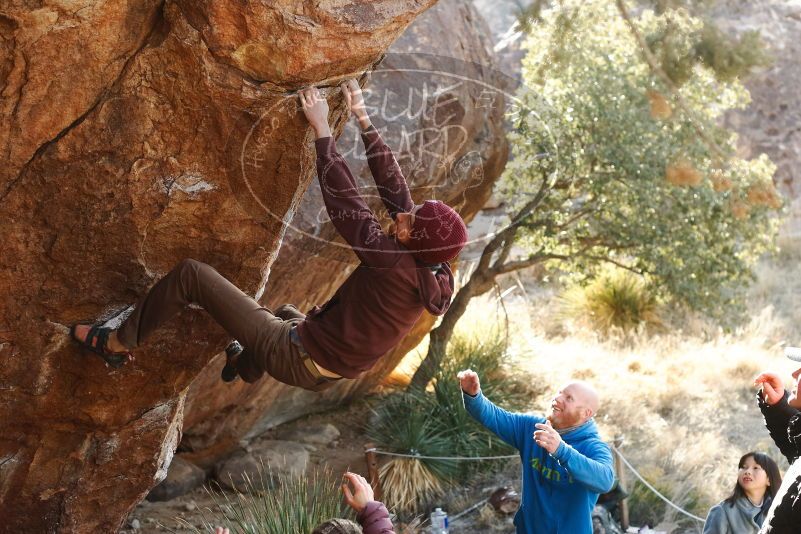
(333,439)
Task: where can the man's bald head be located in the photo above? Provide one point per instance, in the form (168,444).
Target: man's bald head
(588,396)
(574,404)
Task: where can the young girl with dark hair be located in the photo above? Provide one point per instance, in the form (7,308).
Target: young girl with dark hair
(744,511)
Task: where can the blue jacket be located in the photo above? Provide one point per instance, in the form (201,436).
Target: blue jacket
(559,490)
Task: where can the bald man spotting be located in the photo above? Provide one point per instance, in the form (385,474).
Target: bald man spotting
(566,465)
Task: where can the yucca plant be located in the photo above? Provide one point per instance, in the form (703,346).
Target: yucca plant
(487,357)
(296,505)
(615,299)
(408,423)
(408,484)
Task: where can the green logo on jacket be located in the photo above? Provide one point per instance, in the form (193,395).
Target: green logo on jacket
(549,474)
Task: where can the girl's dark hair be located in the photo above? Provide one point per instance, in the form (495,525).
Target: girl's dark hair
(771,469)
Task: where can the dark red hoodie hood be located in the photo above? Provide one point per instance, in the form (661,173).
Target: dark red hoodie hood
(436,288)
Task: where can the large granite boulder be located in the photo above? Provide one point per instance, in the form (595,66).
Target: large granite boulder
(132,136)
(440,105)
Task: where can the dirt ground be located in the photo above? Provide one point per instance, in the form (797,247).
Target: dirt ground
(345,454)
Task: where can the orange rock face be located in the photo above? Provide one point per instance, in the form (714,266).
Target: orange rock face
(440,107)
(122,130)
(135,134)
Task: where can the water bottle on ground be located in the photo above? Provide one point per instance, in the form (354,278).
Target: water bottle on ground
(439,522)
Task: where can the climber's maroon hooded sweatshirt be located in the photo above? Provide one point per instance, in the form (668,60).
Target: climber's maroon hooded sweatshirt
(382,299)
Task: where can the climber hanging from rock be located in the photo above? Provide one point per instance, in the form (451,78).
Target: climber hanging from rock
(402,272)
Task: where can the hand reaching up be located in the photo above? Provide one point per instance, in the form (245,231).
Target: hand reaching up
(361,494)
(772,387)
(353,96)
(468,380)
(355,100)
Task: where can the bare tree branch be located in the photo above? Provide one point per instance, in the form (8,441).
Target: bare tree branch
(615,262)
(528,262)
(505,251)
(503,307)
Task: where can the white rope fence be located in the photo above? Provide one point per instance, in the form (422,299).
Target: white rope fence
(653,489)
(509,456)
(454,458)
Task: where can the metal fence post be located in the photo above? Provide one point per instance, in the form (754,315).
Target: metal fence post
(371,459)
(620,473)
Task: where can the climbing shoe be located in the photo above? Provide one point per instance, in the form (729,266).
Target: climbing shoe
(229,372)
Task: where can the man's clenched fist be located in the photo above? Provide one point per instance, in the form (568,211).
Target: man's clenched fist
(468,379)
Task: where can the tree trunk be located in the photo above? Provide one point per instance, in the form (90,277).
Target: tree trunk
(439,337)
(493,262)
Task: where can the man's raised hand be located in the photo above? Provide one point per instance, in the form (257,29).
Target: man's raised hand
(355,100)
(354,97)
(772,387)
(468,380)
(315,108)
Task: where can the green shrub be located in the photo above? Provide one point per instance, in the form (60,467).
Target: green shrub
(295,506)
(434,422)
(499,382)
(615,299)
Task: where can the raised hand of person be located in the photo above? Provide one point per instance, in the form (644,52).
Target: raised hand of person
(355,100)
(547,437)
(772,387)
(315,108)
(360,495)
(468,380)
(221,530)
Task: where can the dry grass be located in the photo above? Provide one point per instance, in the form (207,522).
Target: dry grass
(408,484)
(490,520)
(682,399)
(684,405)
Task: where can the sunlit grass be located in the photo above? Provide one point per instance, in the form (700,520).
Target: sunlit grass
(615,299)
(294,506)
(680,396)
(408,484)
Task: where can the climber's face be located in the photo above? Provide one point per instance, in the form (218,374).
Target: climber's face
(402,224)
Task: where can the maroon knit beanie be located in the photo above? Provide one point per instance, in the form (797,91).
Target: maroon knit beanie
(438,233)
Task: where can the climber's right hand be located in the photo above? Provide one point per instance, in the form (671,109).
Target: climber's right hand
(315,108)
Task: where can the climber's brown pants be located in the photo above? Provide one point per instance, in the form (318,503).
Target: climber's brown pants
(264,334)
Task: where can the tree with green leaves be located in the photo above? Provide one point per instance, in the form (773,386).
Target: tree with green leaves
(617,159)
